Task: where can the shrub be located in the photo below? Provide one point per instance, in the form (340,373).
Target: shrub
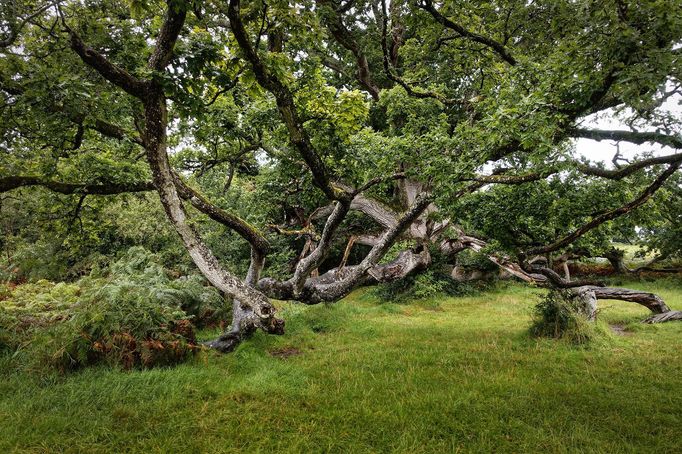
(138,274)
(42,297)
(561,315)
(129,332)
(427,284)
(28,308)
(134,315)
(7,331)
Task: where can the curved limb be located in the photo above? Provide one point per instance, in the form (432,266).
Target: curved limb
(661,311)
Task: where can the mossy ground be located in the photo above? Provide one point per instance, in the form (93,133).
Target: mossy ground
(446,375)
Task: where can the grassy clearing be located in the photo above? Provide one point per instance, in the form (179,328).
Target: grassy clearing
(459,374)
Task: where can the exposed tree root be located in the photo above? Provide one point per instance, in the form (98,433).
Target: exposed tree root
(661,312)
(664,317)
(242,329)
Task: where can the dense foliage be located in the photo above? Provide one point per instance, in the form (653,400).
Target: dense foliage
(131,315)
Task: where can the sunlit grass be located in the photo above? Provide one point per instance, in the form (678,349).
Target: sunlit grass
(448,375)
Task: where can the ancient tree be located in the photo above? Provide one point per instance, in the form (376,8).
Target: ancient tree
(443,126)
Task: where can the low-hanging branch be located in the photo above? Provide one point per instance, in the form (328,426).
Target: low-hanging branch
(99,188)
(608,215)
(336,284)
(336,290)
(243,228)
(422,224)
(588,291)
(78,117)
(560,282)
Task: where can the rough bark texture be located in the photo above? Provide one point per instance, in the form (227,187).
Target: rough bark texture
(14,182)
(651,301)
(588,300)
(155,114)
(244,319)
(664,317)
(337,283)
(662,313)
(315,258)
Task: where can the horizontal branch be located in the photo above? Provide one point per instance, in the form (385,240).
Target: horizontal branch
(512,179)
(14,182)
(611,174)
(622,172)
(243,228)
(339,282)
(649,300)
(307,231)
(560,282)
(628,136)
(478,245)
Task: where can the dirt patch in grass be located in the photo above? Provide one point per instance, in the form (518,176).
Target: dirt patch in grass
(285,352)
(620,330)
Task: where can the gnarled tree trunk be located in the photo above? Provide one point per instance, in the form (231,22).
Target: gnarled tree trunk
(252,308)
(661,312)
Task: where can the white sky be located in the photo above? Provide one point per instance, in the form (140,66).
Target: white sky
(606,149)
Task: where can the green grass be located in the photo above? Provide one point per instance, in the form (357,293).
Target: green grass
(455,375)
